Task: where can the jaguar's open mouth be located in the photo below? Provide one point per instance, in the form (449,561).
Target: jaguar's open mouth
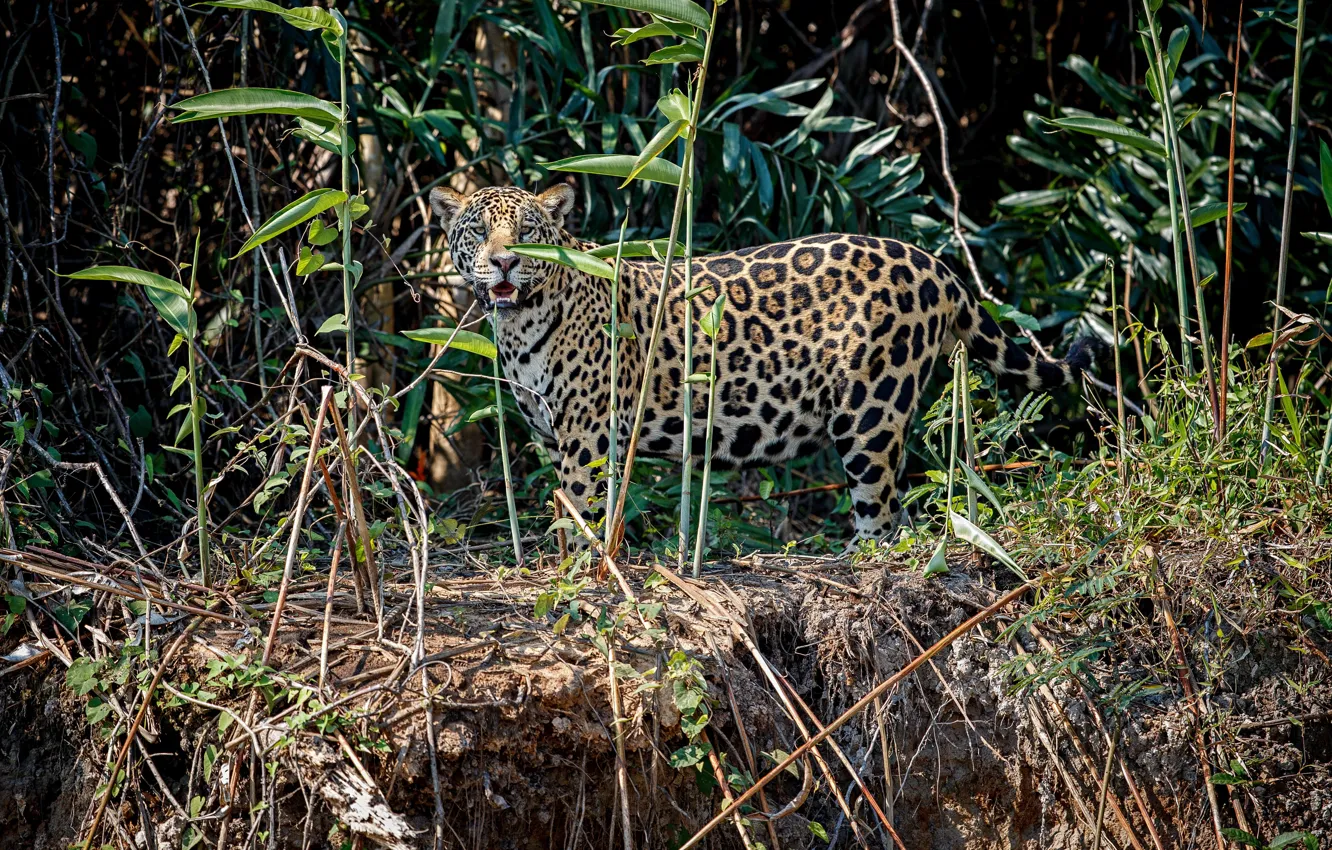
(504,294)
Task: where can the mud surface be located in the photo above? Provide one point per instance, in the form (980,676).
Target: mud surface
(1000,742)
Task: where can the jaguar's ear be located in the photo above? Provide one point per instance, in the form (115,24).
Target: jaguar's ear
(446,204)
(557,201)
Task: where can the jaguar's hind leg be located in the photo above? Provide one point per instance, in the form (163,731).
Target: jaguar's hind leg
(869,441)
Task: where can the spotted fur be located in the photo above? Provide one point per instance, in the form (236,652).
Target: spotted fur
(825,339)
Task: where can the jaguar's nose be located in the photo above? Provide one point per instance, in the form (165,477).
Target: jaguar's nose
(505,262)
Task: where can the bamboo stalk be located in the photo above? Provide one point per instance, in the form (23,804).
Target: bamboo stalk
(616,518)
(1283,263)
(1181,294)
(504,453)
(201,504)
(704,488)
(612,449)
(1223,389)
(687,390)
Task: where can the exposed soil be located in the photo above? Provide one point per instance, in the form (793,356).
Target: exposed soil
(523,727)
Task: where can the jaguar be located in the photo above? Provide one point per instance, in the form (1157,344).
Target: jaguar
(825,339)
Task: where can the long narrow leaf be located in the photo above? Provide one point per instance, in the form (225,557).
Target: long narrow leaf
(129,274)
(634,249)
(965,530)
(660,142)
(296,213)
(473,343)
(1208,213)
(567,257)
(1114,131)
(676,10)
(257,101)
(306,18)
(619,165)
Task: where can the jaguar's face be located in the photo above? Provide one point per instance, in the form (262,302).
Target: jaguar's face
(482,227)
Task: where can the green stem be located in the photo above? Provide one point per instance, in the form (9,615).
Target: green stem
(1182,296)
(1283,262)
(968,438)
(613,448)
(345,218)
(687,391)
(196,415)
(659,315)
(952,450)
(1322,458)
(701,536)
(1181,181)
(504,451)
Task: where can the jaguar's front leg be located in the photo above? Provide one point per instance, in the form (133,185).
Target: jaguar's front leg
(582,468)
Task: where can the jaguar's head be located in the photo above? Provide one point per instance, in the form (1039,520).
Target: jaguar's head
(482,226)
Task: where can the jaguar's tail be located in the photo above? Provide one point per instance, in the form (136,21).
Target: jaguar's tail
(1006,359)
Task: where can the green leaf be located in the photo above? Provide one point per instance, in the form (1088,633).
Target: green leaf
(1240,836)
(710,322)
(141,421)
(634,249)
(819,832)
(1016,316)
(675,55)
(619,165)
(676,106)
(657,29)
(660,142)
(568,257)
(170,298)
(1208,213)
(334,323)
(358,207)
(1106,129)
(676,10)
(984,489)
(128,274)
(309,261)
(306,18)
(1033,199)
(939,560)
(484,413)
(328,138)
(1286,839)
(964,529)
(227,103)
(321,234)
(1174,50)
(689,755)
(173,309)
(297,212)
(182,376)
(1325,169)
(468,341)
(1323,237)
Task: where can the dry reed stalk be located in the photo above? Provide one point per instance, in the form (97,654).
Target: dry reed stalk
(1129,781)
(1057,712)
(328,602)
(621,766)
(868,699)
(134,728)
(1185,674)
(727,797)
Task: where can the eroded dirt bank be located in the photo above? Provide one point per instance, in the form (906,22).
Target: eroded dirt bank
(1000,742)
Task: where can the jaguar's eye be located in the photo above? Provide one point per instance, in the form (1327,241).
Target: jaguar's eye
(478,230)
